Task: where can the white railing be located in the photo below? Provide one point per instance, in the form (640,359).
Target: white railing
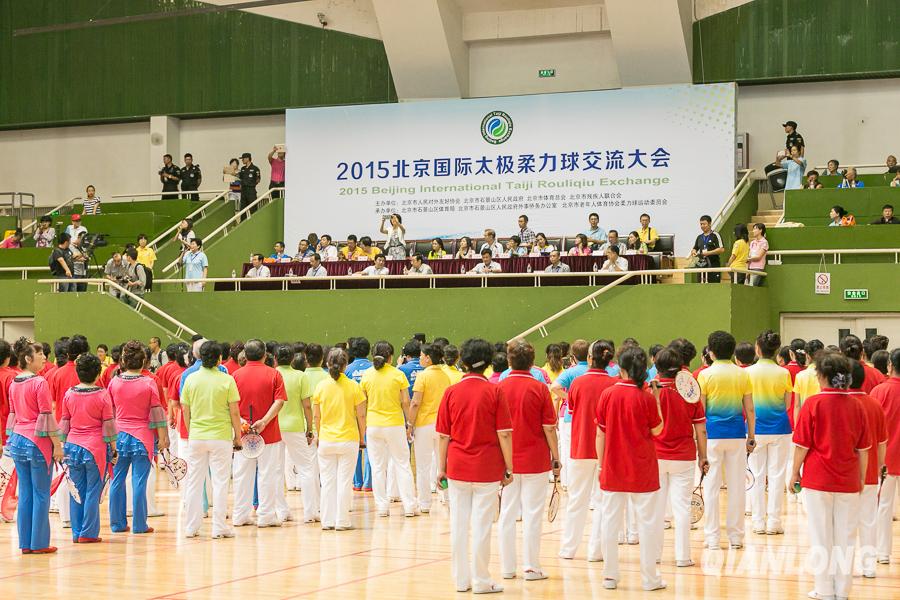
(104,284)
(775,255)
(200,211)
(731,201)
(235,220)
(26,270)
(50,212)
(859,166)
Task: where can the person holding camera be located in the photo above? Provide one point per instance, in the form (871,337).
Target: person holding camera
(707,248)
(80,258)
(135,280)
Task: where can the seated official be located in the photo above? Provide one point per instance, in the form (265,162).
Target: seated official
(840,217)
(487,264)
(466,248)
(556,265)
(369,250)
(635,245)
(595,235)
(417,266)
(303,251)
(581,247)
(887,216)
(647,233)
(378,269)
(514,247)
(327,250)
(315,267)
(541,247)
(850,180)
(614,263)
(491,243)
(437,249)
(258,270)
(612,239)
(351,251)
(279,255)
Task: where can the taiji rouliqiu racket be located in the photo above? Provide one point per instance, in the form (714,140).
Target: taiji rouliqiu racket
(175,467)
(553,506)
(749,478)
(688,387)
(7,468)
(881,480)
(499,504)
(64,476)
(107,479)
(697,501)
(252,444)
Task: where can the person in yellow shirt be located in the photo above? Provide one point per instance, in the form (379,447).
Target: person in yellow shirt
(647,234)
(451,357)
(368,249)
(386,391)
(352,251)
(740,252)
(339,413)
(428,390)
(806,383)
(145,254)
(554,365)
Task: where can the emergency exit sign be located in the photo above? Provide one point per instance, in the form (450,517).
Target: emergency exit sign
(856,294)
(547,73)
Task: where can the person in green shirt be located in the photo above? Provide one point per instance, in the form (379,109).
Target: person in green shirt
(209,403)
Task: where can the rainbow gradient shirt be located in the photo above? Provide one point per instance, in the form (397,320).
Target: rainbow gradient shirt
(770,383)
(725,384)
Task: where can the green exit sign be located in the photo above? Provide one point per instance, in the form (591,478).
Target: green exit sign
(547,73)
(856,294)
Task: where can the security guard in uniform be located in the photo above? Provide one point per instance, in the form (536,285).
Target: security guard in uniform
(249,176)
(793,138)
(169,175)
(190,178)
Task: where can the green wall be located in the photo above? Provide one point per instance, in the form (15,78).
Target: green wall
(257,234)
(222,63)
(818,238)
(811,207)
(746,206)
(768,41)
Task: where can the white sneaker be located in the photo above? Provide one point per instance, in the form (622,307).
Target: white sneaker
(535,575)
(609,584)
(884,560)
(67,524)
(223,535)
(509,576)
(684,563)
(659,586)
(192,534)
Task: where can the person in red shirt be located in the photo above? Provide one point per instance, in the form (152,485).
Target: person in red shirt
(888,395)
(676,452)
(474,460)
(535,454)
(831,440)
(164,374)
(868,499)
(582,399)
(852,348)
(628,418)
(231,365)
(49,366)
(706,359)
(262,393)
(7,374)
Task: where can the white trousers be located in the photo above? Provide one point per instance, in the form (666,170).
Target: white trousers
(61,497)
(582,478)
(268,482)
(565,452)
(676,484)
(152,511)
(648,511)
(424,445)
(832,519)
(769,463)
(304,457)
(868,520)
(337,460)
(729,455)
(527,494)
(388,447)
(183,451)
(291,471)
(203,457)
(472,510)
(885,525)
(173,443)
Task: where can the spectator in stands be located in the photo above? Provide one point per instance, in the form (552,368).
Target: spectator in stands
(850,180)
(191,177)
(276,163)
(315,267)
(707,248)
(812,181)
(417,265)
(635,245)
(740,252)
(613,240)
(795,165)
(556,265)
(595,234)
(44,234)
(115,267)
(887,216)
(91,202)
(833,170)
(230,176)
(840,217)
(514,247)
(61,264)
(258,269)
(526,234)
(614,263)
(759,248)
(437,249)
(79,263)
(351,251)
(249,176)
(303,251)
(326,249)
(891,163)
(135,280)
(146,255)
(169,176)
(377,269)
(647,233)
(369,250)
(279,255)
(581,247)
(793,138)
(895,182)
(13,241)
(184,235)
(491,243)
(487,264)
(196,265)
(541,247)
(465,249)
(75,228)
(395,246)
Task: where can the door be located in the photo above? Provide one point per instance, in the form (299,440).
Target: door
(830,327)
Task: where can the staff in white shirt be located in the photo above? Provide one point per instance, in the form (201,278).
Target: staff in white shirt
(258,270)
(491,243)
(315,267)
(556,265)
(487,264)
(377,269)
(614,263)
(418,266)
(327,250)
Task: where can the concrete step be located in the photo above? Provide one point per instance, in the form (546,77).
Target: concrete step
(770,212)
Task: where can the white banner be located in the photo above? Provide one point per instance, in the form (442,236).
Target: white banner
(453,168)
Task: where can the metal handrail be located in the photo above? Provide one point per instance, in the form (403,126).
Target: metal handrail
(50,212)
(728,206)
(26,270)
(836,252)
(873,166)
(238,216)
(173,228)
(141,303)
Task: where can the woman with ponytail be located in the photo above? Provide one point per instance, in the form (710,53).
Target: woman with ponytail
(34,444)
(852,348)
(806,383)
(388,429)
(772,390)
(339,413)
(628,418)
(831,440)
(795,364)
(583,395)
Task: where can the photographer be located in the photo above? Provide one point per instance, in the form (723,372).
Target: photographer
(80,257)
(115,268)
(135,280)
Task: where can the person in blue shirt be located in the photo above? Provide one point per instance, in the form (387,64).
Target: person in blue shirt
(596,235)
(411,366)
(850,180)
(279,255)
(795,165)
(651,372)
(358,349)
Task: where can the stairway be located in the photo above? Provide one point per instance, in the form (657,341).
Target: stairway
(770,218)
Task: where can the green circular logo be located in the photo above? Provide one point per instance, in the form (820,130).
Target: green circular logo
(496,127)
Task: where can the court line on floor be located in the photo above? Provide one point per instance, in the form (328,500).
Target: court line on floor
(367,578)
